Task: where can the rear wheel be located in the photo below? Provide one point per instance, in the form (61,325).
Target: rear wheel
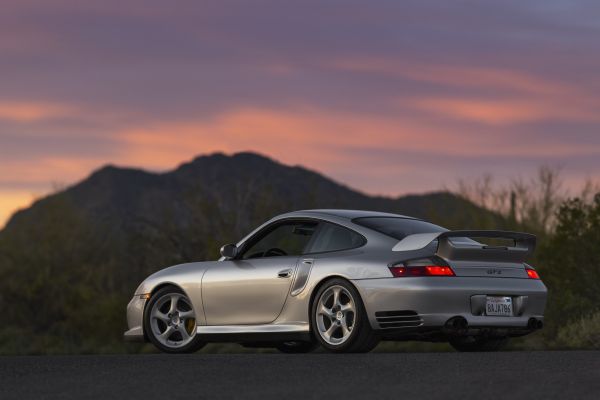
(339,320)
(170,322)
(296,347)
(478,343)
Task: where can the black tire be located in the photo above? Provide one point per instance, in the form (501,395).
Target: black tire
(296,347)
(478,343)
(362,339)
(194,345)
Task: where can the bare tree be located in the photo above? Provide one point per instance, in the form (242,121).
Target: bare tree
(530,202)
(590,189)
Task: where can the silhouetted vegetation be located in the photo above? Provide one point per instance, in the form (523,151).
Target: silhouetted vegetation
(70,263)
(569,260)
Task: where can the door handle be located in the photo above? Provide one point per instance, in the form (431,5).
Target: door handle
(286,273)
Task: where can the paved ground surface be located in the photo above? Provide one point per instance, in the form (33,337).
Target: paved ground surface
(507,375)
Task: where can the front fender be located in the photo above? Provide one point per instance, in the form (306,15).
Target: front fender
(188,277)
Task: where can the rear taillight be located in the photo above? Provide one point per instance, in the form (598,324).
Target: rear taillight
(403,271)
(532,273)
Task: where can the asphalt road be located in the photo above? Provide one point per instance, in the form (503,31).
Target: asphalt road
(507,375)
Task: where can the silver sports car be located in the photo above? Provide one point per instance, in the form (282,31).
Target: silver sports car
(345,280)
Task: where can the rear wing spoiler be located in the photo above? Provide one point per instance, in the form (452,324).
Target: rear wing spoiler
(524,245)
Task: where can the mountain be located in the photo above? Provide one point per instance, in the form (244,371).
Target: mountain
(70,262)
(235,185)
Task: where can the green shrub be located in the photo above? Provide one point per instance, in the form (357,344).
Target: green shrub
(583,333)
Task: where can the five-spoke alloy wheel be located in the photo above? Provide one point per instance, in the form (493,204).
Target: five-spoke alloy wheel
(339,321)
(170,322)
(336,313)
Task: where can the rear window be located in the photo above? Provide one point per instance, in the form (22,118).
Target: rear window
(398,228)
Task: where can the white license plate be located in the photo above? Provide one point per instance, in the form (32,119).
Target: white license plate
(498,306)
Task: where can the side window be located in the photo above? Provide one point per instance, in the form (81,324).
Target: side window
(334,237)
(287,239)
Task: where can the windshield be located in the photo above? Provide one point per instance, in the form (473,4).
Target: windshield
(396,227)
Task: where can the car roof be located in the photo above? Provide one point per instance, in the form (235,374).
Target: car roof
(348,214)
(340,216)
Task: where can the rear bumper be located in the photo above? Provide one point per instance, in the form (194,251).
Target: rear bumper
(434,300)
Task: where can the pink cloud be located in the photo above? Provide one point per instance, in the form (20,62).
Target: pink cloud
(343,145)
(508,111)
(31,111)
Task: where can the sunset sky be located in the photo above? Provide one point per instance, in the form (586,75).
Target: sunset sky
(389,97)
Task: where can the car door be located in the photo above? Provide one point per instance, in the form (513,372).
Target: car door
(252,288)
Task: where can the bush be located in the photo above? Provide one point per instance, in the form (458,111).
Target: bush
(583,333)
(569,263)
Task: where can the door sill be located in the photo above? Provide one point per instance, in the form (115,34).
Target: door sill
(253,333)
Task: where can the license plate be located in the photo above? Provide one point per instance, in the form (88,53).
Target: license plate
(499,306)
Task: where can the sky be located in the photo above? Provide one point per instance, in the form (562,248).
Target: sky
(389,97)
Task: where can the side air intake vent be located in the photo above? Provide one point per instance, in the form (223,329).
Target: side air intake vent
(302,276)
(398,319)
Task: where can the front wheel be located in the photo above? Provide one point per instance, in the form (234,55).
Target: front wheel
(478,343)
(170,322)
(339,320)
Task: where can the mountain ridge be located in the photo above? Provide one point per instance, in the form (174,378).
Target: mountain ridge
(117,174)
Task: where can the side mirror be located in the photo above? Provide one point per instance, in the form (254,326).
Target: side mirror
(229,251)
